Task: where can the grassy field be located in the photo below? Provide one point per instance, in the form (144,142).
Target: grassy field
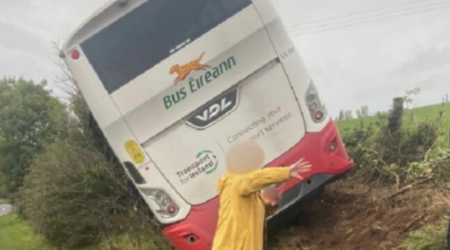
(411,118)
(15,234)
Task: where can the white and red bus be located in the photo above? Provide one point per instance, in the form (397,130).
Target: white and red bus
(172,83)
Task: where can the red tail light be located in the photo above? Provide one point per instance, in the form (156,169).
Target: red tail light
(172,209)
(167,208)
(75,54)
(318,115)
(316,109)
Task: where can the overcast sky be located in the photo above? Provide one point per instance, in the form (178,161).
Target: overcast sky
(360,52)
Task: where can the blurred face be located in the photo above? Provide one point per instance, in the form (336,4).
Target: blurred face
(245,156)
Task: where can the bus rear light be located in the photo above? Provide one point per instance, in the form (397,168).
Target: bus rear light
(172,209)
(75,54)
(313,106)
(318,115)
(166,207)
(316,109)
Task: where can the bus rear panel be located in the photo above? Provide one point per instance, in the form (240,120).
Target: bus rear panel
(172,84)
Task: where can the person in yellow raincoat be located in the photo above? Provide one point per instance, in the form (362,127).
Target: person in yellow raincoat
(242,209)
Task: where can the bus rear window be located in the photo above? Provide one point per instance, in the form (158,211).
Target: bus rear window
(150,33)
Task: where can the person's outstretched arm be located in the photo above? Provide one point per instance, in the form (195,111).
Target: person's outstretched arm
(256,181)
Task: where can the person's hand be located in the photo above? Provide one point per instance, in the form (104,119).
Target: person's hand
(298,168)
(272,195)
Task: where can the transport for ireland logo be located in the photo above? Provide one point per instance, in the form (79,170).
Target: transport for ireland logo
(211,166)
(205,163)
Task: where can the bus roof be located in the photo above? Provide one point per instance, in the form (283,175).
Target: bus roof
(104,16)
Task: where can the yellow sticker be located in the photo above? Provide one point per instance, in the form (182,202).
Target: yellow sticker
(135,152)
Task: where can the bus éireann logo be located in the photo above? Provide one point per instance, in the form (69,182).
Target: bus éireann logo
(185,70)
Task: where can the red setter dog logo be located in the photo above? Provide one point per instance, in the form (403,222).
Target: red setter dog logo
(185,70)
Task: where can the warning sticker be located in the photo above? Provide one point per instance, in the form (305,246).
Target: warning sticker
(135,152)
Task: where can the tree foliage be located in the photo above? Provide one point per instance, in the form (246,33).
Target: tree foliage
(77,192)
(28,120)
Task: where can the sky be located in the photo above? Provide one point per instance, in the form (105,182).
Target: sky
(359,52)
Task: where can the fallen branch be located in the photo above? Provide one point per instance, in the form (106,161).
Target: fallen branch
(408,187)
(413,222)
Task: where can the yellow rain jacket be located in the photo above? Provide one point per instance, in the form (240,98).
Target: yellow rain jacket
(242,209)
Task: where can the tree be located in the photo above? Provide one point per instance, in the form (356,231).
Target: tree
(29,115)
(408,99)
(362,112)
(341,116)
(365,111)
(2,185)
(348,115)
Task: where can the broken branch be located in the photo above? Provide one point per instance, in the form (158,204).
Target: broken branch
(408,187)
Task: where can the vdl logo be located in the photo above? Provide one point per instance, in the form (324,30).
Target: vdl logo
(215,110)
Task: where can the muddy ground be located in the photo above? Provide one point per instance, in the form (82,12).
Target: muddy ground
(358,217)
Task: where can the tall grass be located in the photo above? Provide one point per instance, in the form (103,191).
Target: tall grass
(431,237)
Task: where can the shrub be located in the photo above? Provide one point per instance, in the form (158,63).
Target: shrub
(388,151)
(418,141)
(77,193)
(71,195)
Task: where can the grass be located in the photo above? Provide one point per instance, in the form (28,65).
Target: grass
(15,234)
(431,237)
(411,117)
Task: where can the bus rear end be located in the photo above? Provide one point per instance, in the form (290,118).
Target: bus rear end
(172,84)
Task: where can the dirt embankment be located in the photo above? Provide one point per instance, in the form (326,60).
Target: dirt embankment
(356,217)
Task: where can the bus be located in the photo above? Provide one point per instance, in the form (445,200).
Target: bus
(173,83)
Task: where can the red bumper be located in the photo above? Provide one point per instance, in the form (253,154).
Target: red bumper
(196,232)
